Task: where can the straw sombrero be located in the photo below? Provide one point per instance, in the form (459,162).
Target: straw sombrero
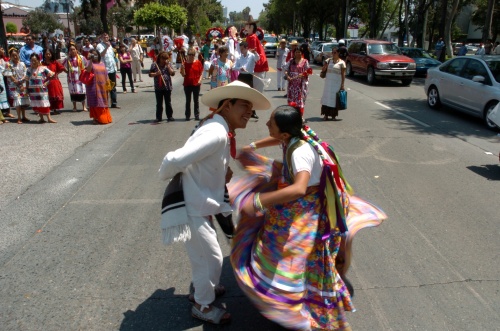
(235,90)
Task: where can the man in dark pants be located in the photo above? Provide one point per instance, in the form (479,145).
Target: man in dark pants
(109,59)
(191,70)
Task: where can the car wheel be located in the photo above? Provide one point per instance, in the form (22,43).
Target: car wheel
(406,82)
(348,70)
(433,97)
(370,76)
(487,111)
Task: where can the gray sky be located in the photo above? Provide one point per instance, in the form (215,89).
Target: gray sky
(232,5)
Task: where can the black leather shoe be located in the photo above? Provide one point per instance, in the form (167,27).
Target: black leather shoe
(254,116)
(170,119)
(197,118)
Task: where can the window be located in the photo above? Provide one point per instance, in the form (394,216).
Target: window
(454,67)
(475,68)
(494,66)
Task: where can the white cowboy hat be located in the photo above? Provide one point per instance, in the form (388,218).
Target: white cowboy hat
(236,90)
(294,42)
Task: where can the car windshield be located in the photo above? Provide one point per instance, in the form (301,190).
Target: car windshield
(494,66)
(328,47)
(383,49)
(270,39)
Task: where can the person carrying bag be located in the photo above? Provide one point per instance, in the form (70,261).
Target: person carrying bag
(334,95)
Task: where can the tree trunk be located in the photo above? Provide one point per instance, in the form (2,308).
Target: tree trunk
(449,22)
(104,16)
(488,20)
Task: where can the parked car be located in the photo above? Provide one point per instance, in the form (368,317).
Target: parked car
(315,44)
(323,52)
(379,59)
(422,58)
(270,45)
(467,83)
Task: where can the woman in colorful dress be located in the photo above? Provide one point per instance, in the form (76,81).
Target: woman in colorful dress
(56,94)
(288,250)
(96,91)
(296,73)
(75,64)
(126,68)
(4,62)
(4,102)
(220,70)
(38,80)
(334,69)
(18,97)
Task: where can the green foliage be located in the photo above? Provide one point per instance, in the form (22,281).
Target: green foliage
(121,16)
(39,21)
(156,14)
(479,17)
(11,27)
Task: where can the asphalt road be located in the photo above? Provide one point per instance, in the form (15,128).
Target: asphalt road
(79,211)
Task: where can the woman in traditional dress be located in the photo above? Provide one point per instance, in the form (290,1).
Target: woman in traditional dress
(233,44)
(334,69)
(97,95)
(75,64)
(220,70)
(56,94)
(38,80)
(4,103)
(296,73)
(18,97)
(292,227)
(4,62)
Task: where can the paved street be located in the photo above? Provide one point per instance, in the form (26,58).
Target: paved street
(80,242)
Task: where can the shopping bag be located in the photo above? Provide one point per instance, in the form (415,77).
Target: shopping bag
(86,77)
(342,100)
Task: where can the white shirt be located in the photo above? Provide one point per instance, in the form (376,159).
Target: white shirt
(305,158)
(234,49)
(281,57)
(136,52)
(203,160)
(247,62)
(108,58)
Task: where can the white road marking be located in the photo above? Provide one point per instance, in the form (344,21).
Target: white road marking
(404,115)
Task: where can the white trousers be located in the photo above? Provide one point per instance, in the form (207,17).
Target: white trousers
(206,259)
(136,69)
(280,79)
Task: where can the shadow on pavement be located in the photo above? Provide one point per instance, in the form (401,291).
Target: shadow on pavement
(488,171)
(165,310)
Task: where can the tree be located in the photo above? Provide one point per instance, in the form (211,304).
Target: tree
(121,17)
(88,6)
(11,27)
(156,15)
(39,21)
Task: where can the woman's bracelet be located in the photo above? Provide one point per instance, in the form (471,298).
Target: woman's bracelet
(253,145)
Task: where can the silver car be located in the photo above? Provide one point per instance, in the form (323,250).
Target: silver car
(323,52)
(467,83)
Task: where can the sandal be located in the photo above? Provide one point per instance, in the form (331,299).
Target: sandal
(219,290)
(214,316)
